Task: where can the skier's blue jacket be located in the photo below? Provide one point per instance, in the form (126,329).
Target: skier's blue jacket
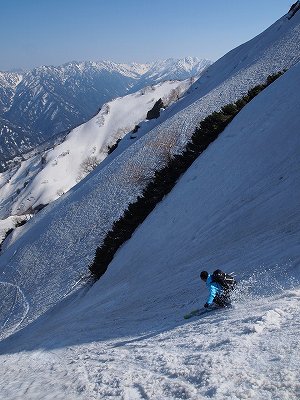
(214,288)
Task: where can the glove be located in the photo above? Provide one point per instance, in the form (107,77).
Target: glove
(206,305)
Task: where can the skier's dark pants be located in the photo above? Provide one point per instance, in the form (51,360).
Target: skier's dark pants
(222,300)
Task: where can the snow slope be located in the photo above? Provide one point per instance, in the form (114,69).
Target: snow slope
(237,207)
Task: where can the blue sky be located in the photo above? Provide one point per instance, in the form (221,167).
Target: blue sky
(51,32)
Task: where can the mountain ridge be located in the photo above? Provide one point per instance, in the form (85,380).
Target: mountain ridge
(48,100)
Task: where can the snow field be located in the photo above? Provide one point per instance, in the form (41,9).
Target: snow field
(222,355)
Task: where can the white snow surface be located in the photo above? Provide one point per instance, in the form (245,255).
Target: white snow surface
(237,207)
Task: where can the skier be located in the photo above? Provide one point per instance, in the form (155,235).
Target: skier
(219,285)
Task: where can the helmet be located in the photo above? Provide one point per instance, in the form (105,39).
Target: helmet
(204,275)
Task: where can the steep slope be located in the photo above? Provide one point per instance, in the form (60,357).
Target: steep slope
(236,207)
(275,49)
(98,201)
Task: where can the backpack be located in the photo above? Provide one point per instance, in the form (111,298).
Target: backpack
(227,281)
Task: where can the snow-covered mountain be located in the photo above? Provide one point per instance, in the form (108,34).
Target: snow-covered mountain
(13,137)
(237,207)
(172,69)
(49,100)
(8,83)
(46,174)
(15,140)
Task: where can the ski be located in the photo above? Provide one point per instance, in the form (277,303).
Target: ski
(198,312)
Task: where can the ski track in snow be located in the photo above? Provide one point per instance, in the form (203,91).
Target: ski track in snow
(239,353)
(16,307)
